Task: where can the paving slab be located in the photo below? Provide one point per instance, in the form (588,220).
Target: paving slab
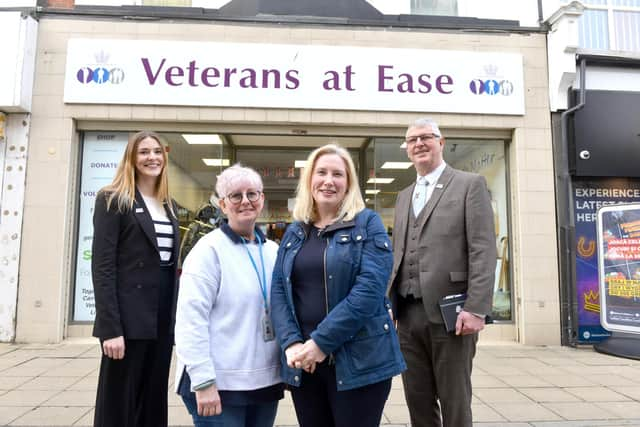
(597,394)
(50,416)
(579,411)
(514,386)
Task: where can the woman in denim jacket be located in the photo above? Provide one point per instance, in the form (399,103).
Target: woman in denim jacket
(329,311)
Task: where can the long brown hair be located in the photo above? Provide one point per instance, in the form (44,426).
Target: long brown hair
(123,187)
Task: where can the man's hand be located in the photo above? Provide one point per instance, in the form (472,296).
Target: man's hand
(468,323)
(114,348)
(209,403)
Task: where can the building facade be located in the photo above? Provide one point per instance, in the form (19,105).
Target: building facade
(594,82)
(255,83)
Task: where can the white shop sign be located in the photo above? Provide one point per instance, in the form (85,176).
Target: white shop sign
(292,76)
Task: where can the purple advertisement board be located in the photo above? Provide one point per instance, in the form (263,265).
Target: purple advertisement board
(619,255)
(589,196)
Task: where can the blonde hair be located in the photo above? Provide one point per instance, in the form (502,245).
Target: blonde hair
(305,209)
(122,189)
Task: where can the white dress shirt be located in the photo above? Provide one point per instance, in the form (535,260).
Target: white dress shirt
(424,188)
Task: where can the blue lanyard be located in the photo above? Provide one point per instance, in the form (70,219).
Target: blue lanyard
(263,281)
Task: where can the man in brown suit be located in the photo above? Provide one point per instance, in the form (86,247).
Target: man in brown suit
(443,244)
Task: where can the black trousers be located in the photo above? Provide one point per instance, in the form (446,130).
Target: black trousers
(318,403)
(132,392)
(437,382)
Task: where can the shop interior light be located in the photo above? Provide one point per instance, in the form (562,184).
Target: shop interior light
(300,163)
(202,139)
(396,165)
(216,162)
(380,180)
(371,191)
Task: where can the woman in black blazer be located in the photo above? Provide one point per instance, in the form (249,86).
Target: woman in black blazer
(133,266)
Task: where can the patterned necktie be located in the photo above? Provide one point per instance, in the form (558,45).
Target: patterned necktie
(420,195)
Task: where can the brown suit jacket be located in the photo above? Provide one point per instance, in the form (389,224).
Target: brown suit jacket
(456,241)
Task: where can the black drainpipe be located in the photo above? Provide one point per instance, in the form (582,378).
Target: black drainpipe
(567,228)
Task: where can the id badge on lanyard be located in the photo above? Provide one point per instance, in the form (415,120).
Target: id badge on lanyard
(268,334)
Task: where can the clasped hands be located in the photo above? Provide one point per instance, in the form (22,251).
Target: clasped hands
(304,356)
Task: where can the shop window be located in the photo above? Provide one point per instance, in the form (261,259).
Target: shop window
(280,170)
(389,171)
(194,163)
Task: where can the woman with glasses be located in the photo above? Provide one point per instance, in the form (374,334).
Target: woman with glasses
(133,267)
(328,299)
(228,370)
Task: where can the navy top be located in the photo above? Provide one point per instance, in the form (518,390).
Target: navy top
(307,280)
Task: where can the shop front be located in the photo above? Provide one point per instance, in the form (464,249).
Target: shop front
(265,95)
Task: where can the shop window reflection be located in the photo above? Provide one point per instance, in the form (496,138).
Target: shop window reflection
(195,161)
(389,171)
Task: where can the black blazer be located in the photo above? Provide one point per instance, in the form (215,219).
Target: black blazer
(125,269)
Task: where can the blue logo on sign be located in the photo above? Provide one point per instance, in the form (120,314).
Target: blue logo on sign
(101,73)
(491,85)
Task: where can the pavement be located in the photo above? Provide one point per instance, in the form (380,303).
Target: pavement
(514,386)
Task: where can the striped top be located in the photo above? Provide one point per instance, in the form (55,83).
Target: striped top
(163,227)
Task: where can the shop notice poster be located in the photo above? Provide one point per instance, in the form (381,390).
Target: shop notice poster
(101,153)
(619,267)
(589,196)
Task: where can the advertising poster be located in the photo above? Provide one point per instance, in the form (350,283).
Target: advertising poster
(589,196)
(102,151)
(619,254)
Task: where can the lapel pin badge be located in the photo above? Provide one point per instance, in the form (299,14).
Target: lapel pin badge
(139,210)
(438,185)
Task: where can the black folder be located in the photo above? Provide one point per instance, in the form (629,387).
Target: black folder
(450,306)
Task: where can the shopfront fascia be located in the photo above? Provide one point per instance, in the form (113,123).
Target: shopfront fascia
(283,99)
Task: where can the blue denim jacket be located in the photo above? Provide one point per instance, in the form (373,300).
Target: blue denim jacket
(357,330)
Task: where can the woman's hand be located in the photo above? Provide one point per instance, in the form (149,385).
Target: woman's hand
(308,355)
(291,353)
(208,400)
(114,348)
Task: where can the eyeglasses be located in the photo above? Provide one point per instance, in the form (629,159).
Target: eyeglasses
(236,198)
(424,137)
